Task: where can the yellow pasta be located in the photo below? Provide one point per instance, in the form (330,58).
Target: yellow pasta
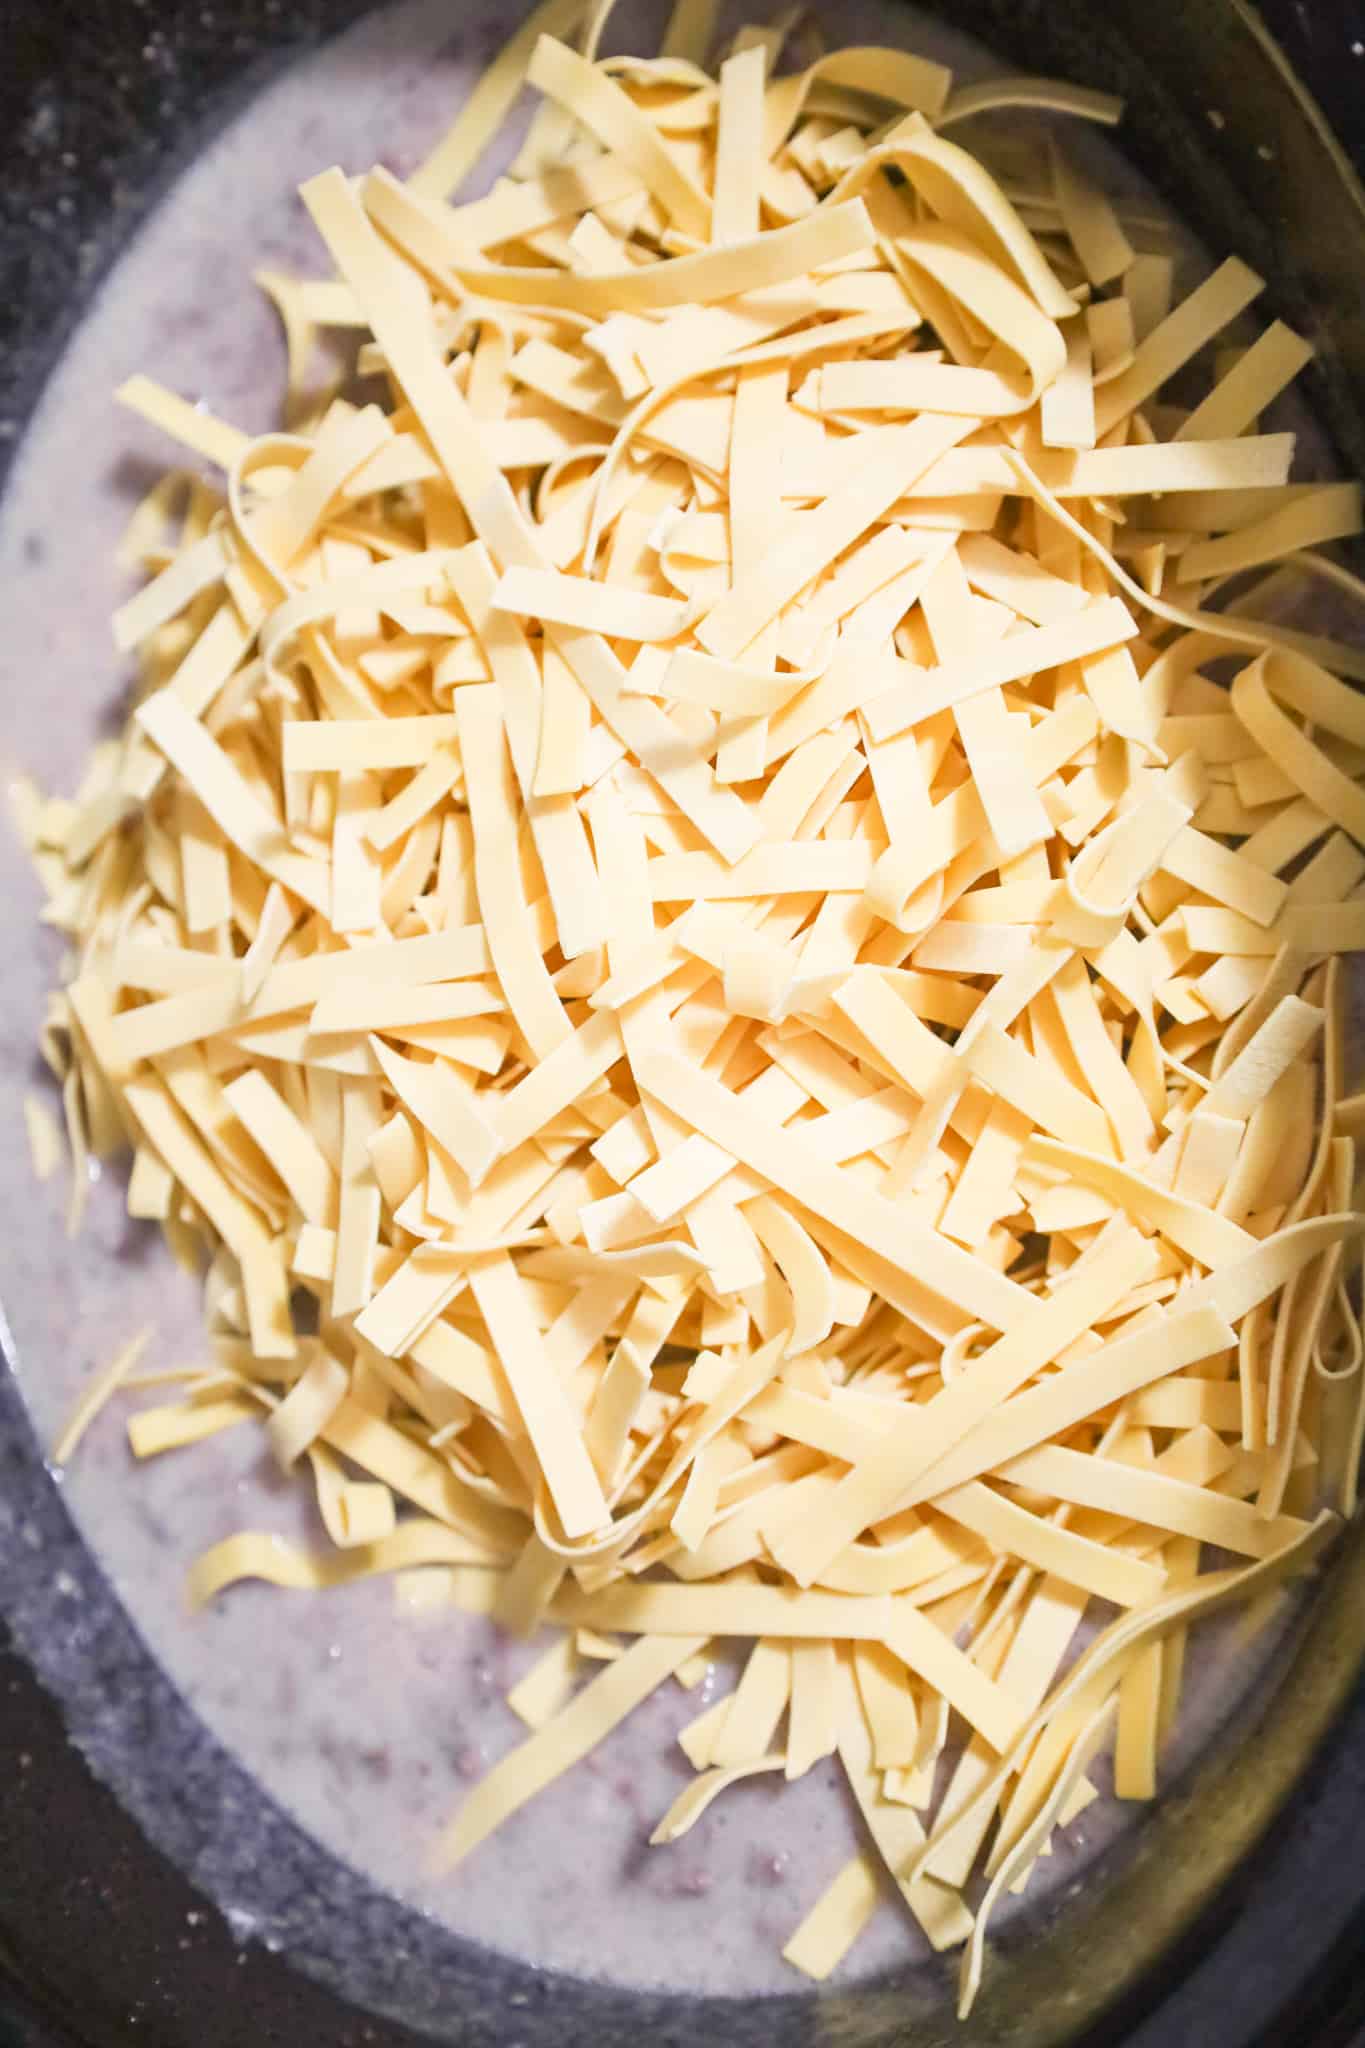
(689,885)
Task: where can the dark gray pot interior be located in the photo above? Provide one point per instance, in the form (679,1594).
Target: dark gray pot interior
(113,1939)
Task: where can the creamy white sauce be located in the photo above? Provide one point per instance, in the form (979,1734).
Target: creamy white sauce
(367,1724)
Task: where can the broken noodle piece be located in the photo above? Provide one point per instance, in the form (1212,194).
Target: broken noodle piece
(671,877)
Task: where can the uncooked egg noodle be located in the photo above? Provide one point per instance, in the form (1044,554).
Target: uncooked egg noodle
(686,877)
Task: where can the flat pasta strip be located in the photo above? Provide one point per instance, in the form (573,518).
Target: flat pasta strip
(835,1921)
(607,1699)
(540,1397)
(98,1395)
(512,941)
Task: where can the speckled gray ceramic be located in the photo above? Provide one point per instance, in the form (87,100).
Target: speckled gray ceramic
(112,108)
